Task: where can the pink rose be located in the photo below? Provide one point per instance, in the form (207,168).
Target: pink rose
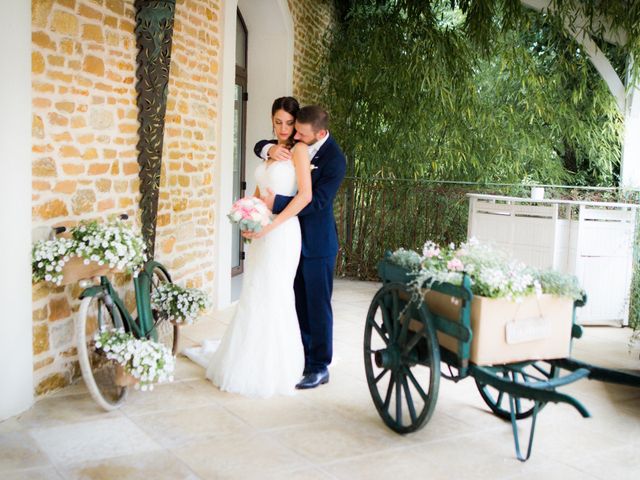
(455,264)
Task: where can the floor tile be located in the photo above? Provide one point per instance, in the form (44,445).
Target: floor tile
(19,451)
(147,466)
(94,440)
(47,473)
(239,457)
(181,426)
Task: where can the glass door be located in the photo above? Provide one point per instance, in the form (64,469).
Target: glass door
(239,139)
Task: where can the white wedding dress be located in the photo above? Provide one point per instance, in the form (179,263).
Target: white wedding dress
(261,353)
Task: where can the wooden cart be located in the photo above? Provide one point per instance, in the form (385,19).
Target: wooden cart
(404,360)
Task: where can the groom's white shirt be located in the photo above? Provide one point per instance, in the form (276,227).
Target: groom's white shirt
(313,149)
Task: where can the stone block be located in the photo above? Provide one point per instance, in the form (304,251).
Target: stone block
(69,151)
(61,334)
(57,119)
(37,63)
(103,185)
(58,309)
(52,209)
(93,33)
(100,119)
(78,121)
(88,12)
(40,338)
(83,201)
(72,169)
(64,23)
(40,11)
(68,107)
(116,6)
(66,186)
(93,65)
(51,383)
(90,154)
(42,40)
(44,167)
(107,204)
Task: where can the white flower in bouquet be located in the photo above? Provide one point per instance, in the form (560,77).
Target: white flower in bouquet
(147,361)
(48,257)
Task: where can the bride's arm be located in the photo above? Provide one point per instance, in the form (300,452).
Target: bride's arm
(302,164)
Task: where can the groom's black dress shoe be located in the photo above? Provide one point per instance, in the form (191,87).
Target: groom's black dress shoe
(312,380)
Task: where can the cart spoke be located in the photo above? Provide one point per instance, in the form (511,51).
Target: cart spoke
(407,394)
(398,401)
(417,385)
(413,341)
(395,313)
(387,399)
(377,328)
(386,321)
(405,320)
(380,375)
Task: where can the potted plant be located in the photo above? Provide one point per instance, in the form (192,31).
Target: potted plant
(179,304)
(141,363)
(90,249)
(517,312)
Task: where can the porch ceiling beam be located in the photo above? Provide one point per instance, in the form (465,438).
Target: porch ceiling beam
(600,26)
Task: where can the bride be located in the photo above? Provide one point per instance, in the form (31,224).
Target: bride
(261,353)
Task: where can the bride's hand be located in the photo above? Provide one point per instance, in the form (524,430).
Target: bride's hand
(260,234)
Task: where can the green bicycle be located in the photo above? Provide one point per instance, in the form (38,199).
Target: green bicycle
(102,308)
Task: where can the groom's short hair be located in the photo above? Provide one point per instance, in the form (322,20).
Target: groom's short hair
(314,115)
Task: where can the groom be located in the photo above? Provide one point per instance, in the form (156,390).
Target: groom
(313,284)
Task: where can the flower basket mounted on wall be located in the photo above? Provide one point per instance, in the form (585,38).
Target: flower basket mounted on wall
(75,270)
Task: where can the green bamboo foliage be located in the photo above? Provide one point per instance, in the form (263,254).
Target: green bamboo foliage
(423,90)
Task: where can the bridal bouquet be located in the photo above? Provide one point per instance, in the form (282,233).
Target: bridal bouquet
(148,362)
(251,214)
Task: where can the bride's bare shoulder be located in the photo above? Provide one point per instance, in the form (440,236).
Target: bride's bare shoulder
(300,150)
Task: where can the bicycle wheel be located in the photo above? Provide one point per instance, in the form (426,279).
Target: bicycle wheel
(167,332)
(98,372)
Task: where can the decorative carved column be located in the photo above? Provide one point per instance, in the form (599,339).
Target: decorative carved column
(154,29)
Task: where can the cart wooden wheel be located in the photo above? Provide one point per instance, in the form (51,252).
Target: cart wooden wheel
(401,358)
(498,401)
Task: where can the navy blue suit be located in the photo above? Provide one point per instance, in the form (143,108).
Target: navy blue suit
(313,284)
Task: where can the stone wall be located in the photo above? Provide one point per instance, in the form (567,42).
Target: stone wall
(85,134)
(312,20)
(185,229)
(84,146)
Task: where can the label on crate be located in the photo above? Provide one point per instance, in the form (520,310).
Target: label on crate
(527,330)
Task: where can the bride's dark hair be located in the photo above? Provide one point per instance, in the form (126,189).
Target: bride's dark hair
(289,105)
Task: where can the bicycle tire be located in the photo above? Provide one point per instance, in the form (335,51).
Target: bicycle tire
(98,373)
(168,332)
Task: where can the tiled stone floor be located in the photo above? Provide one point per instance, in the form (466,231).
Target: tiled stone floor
(191,430)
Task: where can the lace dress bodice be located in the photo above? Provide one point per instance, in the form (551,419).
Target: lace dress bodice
(278,176)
